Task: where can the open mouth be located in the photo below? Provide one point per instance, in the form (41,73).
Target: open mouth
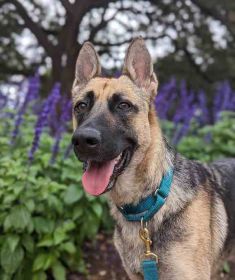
(100,177)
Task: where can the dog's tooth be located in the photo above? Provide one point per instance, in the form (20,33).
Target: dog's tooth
(118,158)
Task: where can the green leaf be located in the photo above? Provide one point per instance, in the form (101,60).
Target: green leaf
(73,194)
(97,208)
(43,261)
(43,225)
(28,243)
(9,198)
(59,235)
(30,204)
(226,267)
(77,211)
(68,225)
(19,218)
(47,241)
(13,241)
(39,276)
(10,261)
(58,271)
(69,247)
(55,203)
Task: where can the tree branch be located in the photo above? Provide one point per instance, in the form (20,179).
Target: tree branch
(34,27)
(117,44)
(67,5)
(211,12)
(14,71)
(195,66)
(103,23)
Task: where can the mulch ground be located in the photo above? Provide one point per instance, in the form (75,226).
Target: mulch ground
(103,262)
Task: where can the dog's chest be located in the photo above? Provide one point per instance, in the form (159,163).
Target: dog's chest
(130,247)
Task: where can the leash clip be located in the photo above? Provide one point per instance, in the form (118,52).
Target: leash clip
(144,235)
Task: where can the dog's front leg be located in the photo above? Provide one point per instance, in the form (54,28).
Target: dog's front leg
(118,242)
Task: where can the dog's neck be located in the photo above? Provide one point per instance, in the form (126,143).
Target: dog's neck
(145,173)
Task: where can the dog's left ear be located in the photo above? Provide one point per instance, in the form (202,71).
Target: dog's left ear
(139,67)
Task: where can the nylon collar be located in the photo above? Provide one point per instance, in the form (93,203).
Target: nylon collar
(149,206)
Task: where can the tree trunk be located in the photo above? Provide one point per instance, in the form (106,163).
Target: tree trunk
(68,71)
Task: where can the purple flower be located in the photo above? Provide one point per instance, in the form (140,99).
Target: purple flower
(56,147)
(48,106)
(182,130)
(185,105)
(64,118)
(202,112)
(224,99)
(32,93)
(165,97)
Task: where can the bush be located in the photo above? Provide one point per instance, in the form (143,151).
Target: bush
(211,142)
(44,213)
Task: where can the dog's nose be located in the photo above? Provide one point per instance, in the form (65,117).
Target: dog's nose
(86,139)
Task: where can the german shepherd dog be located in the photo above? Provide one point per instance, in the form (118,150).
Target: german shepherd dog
(118,137)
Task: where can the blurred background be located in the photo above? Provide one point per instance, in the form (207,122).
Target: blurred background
(50,229)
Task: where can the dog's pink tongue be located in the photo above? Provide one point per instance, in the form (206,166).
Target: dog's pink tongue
(96,178)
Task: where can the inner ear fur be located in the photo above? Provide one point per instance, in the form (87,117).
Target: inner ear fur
(139,67)
(87,65)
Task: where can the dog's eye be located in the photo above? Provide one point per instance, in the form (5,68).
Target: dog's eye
(124,106)
(80,107)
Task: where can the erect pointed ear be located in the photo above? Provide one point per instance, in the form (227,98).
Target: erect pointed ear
(87,65)
(139,67)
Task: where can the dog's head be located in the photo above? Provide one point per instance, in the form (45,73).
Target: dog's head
(111,115)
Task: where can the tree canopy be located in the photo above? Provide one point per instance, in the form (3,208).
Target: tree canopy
(194,39)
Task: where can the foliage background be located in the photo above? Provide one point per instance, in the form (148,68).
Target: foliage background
(45,216)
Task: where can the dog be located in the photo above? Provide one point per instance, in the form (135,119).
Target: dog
(118,137)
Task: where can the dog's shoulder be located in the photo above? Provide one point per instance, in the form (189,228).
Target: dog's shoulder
(225,174)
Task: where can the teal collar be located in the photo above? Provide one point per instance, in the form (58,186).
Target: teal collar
(150,205)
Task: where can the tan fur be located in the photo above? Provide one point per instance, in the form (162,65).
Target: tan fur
(193,258)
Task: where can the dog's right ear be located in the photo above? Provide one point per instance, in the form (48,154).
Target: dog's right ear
(87,65)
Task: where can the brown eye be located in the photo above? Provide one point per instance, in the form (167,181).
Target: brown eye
(124,106)
(80,107)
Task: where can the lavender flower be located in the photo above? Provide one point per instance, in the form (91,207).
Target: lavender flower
(183,129)
(64,117)
(203,113)
(165,97)
(223,99)
(49,105)
(32,93)
(56,146)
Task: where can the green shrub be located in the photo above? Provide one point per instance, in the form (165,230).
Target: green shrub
(211,142)
(44,213)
